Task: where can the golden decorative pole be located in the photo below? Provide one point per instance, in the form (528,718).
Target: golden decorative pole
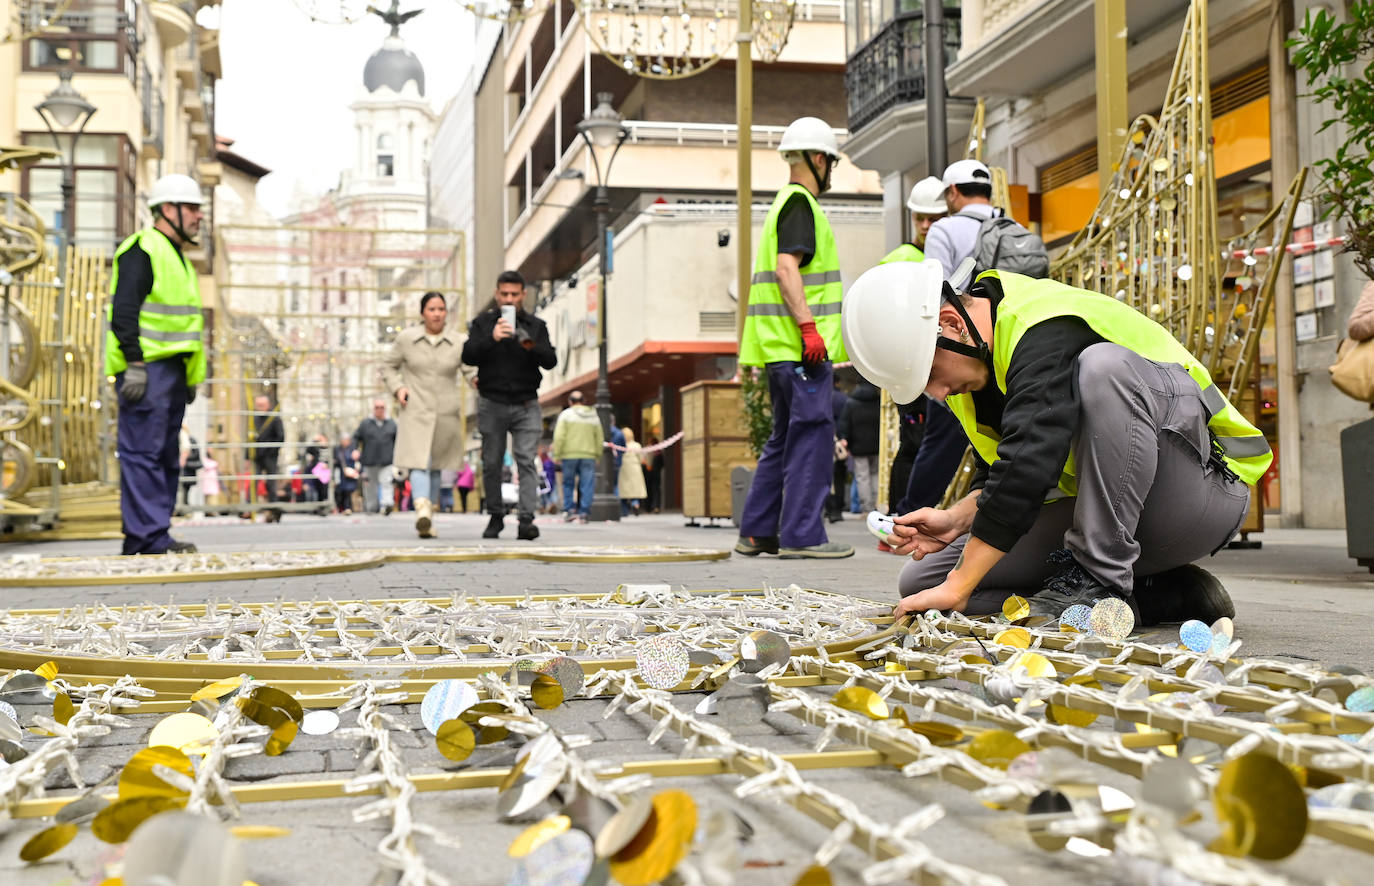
(1109,26)
(744,185)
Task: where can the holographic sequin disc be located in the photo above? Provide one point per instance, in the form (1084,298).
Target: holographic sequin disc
(663,661)
(446,700)
(567,672)
(1195,636)
(1112,618)
(1361,700)
(565,860)
(1075,617)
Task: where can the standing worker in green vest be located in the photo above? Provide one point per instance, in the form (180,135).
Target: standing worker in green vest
(154,351)
(792,329)
(1112,460)
(927,205)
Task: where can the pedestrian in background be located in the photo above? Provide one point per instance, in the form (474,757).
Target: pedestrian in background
(510,347)
(792,329)
(268,436)
(421,371)
(578,440)
(858,431)
(632,490)
(376,442)
(548,481)
(447,478)
(350,470)
(653,477)
(191,461)
(834,501)
(467,479)
(154,351)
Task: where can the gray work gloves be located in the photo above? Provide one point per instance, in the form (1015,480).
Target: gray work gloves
(135,383)
(190,394)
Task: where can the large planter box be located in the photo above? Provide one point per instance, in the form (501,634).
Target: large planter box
(714,442)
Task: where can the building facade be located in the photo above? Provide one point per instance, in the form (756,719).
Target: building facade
(670,296)
(1033,62)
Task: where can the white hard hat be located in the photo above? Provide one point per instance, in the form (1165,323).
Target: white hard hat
(967,172)
(927,197)
(809,134)
(175,188)
(890,319)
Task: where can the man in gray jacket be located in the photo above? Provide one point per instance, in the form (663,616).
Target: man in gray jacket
(376,443)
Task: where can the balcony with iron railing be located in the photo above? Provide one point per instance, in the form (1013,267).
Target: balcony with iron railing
(889,69)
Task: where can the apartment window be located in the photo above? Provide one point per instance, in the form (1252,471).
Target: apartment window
(99,36)
(106,200)
(343,289)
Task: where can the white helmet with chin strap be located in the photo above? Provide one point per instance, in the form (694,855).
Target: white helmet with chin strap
(806,134)
(179,190)
(890,319)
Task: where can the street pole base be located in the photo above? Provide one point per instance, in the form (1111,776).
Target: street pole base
(605,507)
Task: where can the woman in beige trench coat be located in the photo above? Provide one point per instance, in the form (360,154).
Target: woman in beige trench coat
(422,372)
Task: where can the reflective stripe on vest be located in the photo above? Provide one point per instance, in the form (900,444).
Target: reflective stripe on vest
(1028,302)
(905,252)
(170,322)
(770,333)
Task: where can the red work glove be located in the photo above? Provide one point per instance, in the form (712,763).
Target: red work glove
(813,346)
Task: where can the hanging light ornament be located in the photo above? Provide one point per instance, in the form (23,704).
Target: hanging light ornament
(334,12)
(29,18)
(660,40)
(505,10)
(772,26)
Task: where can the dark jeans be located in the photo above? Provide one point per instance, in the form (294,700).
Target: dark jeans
(149,472)
(522,421)
(794,470)
(579,474)
(1148,498)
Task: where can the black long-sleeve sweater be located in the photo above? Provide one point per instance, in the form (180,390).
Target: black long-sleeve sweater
(506,371)
(1037,418)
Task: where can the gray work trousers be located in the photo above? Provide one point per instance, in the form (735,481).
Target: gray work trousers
(1148,498)
(524,424)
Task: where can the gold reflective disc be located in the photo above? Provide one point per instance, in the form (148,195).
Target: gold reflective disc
(258,831)
(816,875)
(217,690)
(861,700)
(273,696)
(938,733)
(1161,164)
(1168,203)
(623,826)
(546,692)
(1066,716)
(455,739)
(1018,637)
(47,670)
(660,844)
(1035,665)
(536,835)
(137,778)
(1262,807)
(1016,608)
(485,734)
(47,841)
(996,748)
(62,708)
(187,732)
(117,821)
(280,739)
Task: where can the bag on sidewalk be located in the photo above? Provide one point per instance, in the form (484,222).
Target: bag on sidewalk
(1353,371)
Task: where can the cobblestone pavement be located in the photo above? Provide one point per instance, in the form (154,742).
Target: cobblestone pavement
(1299,598)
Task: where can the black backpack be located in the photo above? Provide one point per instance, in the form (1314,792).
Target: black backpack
(1005,245)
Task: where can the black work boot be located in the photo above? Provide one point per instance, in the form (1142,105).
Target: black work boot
(1179,594)
(1072,585)
(527,531)
(753,545)
(494,526)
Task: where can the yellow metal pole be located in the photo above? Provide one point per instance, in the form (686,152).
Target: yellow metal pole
(744,188)
(1109,25)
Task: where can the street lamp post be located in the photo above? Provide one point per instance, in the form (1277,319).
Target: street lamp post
(65,112)
(601,130)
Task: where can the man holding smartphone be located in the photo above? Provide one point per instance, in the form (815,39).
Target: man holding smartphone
(510,348)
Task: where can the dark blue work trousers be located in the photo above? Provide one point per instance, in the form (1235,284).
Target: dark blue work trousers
(794,470)
(148,456)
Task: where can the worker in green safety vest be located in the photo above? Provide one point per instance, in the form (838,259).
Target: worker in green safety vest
(1111,460)
(927,205)
(153,349)
(792,330)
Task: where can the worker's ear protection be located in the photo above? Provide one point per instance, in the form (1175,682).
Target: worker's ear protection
(979,350)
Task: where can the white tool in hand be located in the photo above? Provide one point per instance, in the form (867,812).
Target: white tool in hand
(881,526)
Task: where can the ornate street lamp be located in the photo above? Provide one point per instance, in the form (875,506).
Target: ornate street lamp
(63,109)
(601,130)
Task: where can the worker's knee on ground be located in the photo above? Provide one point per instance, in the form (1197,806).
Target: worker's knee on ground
(1102,368)
(916,576)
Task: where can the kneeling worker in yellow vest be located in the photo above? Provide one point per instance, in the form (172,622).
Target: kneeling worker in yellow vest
(1111,460)
(792,329)
(154,351)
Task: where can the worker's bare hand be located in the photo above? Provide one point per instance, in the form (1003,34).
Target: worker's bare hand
(923,532)
(944,597)
(403,395)
(502,330)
